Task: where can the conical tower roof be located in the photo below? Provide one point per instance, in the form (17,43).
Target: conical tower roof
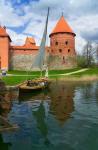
(62,27)
(4,33)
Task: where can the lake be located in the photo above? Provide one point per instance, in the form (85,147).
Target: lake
(64,117)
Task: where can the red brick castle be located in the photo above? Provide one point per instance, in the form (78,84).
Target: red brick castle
(61,51)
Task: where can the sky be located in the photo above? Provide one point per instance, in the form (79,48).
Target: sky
(27,18)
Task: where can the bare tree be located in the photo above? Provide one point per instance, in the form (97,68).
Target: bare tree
(88,53)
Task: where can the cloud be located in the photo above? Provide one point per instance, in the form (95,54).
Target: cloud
(28,18)
(17,39)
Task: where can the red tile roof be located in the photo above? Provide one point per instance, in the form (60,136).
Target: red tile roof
(25,47)
(4,33)
(62,27)
(30,40)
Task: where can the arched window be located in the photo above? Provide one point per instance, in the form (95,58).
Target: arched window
(68,50)
(56,43)
(63,60)
(60,50)
(66,42)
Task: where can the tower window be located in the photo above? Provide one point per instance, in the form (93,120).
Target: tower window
(66,42)
(63,60)
(60,50)
(68,50)
(56,43)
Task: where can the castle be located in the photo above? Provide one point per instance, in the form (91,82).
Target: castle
(61,51)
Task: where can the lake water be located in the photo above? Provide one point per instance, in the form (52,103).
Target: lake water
(65,117)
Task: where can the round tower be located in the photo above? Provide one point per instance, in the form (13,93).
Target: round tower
(62,41)
(4,48)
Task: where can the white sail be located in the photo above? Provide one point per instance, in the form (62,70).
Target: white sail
(39,60)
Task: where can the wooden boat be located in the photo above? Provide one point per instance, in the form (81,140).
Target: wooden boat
(36,84)
(43,82)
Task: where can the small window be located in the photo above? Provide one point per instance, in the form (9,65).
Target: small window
(63,60)
(52,50)
(56,43)
(68,50)
(60,50)
(66,42)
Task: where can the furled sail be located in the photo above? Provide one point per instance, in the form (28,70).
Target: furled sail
(39,60)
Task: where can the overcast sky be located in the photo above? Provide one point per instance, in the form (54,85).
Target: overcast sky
(27,18)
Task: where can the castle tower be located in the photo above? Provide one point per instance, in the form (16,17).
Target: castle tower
(62,40)
(4,48)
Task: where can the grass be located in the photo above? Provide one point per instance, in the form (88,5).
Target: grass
(51,72)
(90,72)
(14,80)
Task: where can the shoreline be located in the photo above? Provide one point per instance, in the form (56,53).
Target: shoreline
(85,78)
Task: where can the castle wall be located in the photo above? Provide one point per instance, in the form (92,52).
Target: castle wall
(22,59)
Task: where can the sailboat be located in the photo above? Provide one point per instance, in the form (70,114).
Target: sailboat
(42,82)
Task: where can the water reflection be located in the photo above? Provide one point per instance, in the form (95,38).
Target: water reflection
(6,98)
(40,117)
(3,145)
(6,102)
(62,101)
(63,117)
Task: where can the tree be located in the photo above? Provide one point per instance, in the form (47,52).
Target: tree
(89,55)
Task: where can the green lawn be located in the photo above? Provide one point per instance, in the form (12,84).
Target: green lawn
(51,72)
(90,72)
(14,80)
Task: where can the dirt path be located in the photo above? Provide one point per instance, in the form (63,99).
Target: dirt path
(74,72)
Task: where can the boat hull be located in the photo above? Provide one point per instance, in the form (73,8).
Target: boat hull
(34,85)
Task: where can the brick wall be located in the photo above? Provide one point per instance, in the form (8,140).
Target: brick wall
(4,52)
(62,44)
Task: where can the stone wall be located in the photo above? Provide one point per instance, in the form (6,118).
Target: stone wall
(58,62)
(22,62)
